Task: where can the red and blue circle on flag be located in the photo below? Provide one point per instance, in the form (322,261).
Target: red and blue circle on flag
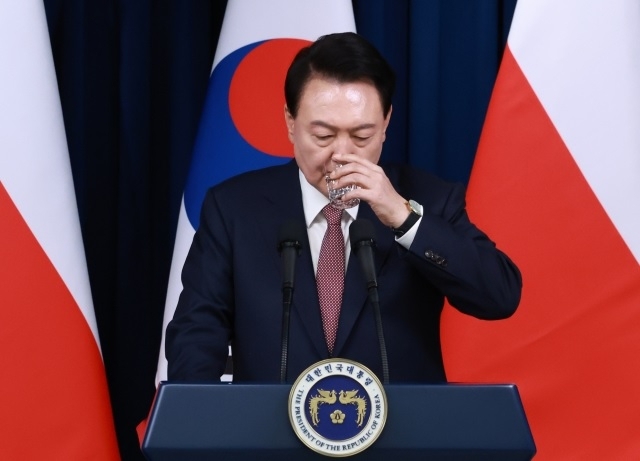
(242,126)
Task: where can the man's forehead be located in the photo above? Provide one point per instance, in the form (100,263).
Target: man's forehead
(315,83)
(320,91)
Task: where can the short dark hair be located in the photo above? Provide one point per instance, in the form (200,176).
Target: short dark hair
(345,57)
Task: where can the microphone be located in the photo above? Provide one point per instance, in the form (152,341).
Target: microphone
(290,238)
(291,234)
(362,236)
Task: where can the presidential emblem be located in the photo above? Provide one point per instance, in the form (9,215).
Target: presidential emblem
(337,407)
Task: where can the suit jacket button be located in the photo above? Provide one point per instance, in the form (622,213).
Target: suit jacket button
(429,254)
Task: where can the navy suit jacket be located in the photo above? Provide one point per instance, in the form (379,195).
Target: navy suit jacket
(232,281)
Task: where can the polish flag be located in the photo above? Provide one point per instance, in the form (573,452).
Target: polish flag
(242,126)
(54,402)
(556,183)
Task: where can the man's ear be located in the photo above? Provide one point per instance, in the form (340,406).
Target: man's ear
(386,124)
(289,120)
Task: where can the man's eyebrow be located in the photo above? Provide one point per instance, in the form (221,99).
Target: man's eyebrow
(323,124)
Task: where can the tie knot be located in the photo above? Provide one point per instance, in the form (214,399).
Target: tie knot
(333,215)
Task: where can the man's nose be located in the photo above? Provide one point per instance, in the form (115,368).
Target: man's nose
(343,145)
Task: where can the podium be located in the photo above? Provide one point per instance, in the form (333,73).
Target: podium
(424,422)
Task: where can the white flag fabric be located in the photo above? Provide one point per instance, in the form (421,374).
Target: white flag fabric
(556,182)
(242,125)
(53,394)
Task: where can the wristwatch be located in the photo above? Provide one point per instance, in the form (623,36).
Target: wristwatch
(416,213)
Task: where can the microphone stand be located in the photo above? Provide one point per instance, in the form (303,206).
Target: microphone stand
(287,294)
(290,250)
(373,296)
(362,241)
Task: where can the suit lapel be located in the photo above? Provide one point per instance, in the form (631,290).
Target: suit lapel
(355,289)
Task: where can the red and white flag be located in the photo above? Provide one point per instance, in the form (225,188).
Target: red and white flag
(556,183)
(54,402)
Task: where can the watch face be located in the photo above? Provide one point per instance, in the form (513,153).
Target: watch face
(415,207)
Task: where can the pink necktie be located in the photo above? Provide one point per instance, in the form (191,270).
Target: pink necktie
(330,274)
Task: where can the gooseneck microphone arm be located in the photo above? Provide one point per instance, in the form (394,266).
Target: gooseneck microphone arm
(362,236)
(290,238)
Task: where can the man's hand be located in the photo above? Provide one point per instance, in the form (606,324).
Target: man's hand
(373,187)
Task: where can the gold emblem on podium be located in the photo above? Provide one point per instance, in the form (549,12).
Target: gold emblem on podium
(337,407)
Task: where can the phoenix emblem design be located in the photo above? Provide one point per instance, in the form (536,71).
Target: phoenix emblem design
(315,402)
(344,397)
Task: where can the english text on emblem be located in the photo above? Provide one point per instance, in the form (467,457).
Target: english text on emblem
(337,407)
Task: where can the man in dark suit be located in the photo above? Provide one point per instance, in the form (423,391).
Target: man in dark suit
(338,105)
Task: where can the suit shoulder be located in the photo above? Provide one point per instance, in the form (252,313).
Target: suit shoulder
(253,180)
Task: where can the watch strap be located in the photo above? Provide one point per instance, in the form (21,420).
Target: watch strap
(407,224)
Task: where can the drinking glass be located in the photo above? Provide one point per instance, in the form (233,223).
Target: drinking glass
(336,193)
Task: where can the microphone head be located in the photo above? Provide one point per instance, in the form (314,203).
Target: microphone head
(291,234)
(361,232)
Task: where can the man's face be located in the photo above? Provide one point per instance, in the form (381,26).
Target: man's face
(334,118)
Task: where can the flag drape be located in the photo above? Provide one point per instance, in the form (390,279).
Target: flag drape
(556,182)
(53,394)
